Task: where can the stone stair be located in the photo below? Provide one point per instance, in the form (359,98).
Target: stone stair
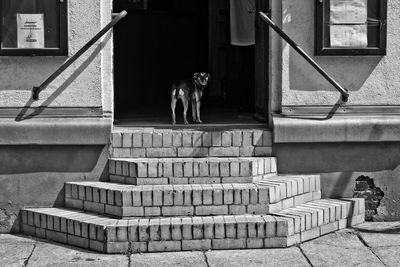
(160,198)
(210,170)
(263,197)
(108,235)
(155,143)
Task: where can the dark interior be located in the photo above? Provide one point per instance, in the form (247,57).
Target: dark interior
(163,41)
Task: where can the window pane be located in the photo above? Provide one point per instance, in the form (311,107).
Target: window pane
(374,23)
(359,35)
(32,20)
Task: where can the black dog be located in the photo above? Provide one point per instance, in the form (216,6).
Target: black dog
(189,90)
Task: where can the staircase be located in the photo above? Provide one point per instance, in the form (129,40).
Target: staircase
(182,190)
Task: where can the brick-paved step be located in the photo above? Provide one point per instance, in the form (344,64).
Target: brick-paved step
(282,229)
(120,200)
(156,143)
(151,171)
(313,219)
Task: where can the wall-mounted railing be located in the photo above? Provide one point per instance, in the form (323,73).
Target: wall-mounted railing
(116,18)
(344,92)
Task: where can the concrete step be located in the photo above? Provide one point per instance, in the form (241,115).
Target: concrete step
(155,171)
(269,195)
(158,143)
(282,229)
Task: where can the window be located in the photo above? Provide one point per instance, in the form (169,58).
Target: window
(350,27)
(33,27)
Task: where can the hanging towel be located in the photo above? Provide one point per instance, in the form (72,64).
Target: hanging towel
(242,14)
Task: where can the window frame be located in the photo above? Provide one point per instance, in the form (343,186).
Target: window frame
(63,35)
(321,50)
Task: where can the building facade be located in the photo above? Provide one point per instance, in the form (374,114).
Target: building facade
(66,134)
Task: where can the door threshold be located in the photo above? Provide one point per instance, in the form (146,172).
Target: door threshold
(194,127)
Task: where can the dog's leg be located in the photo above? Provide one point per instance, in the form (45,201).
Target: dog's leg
(197,99)
(198,104)
(173,105)
(193,109)
(185,102)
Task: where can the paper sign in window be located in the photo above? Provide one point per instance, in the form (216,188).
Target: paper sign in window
(30,30)
(348,11)
(349,35)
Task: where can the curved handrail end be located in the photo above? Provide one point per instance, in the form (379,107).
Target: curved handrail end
(35,92)
(345,97)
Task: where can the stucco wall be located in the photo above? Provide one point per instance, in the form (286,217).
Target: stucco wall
(37,155)
(34,176)
(372,80)
(340,164)
(81,85)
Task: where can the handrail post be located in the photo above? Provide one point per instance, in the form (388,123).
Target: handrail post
(344,92)
(37,89)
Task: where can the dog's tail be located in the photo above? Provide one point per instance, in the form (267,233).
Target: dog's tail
(174,91)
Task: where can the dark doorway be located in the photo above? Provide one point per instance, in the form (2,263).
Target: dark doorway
(162,41)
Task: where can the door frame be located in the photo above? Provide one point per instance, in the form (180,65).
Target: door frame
(262,94)
(261,88)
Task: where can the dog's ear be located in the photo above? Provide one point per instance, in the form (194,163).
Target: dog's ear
(209,76)
(195,76)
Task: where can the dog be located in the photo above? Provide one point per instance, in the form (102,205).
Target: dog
(189,91)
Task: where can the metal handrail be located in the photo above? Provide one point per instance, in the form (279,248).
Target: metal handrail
(343,91)
(37,89)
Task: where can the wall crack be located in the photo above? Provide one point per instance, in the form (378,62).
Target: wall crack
(26,261)
(129,253)
(305,256)
(206,259)
(369,248)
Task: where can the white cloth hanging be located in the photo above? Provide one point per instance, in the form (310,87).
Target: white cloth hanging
(242,20)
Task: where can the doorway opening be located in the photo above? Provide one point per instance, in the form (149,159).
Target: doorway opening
(164,41)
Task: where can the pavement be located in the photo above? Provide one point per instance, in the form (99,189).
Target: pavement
(369,244)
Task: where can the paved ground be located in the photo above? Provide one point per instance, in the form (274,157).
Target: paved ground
(371,244)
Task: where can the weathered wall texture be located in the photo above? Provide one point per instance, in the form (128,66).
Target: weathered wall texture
(340,164)
(372,80)
(81,85)
(342,184)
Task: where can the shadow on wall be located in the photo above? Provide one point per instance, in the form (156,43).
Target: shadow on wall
(343,184)
(350,72)
(340,164)
(34,176)
(337,157)
(52,159)
(37,111)
(10,218)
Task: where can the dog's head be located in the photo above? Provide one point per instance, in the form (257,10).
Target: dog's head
(201,78)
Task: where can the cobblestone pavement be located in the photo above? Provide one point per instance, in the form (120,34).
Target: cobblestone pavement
(369,244)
